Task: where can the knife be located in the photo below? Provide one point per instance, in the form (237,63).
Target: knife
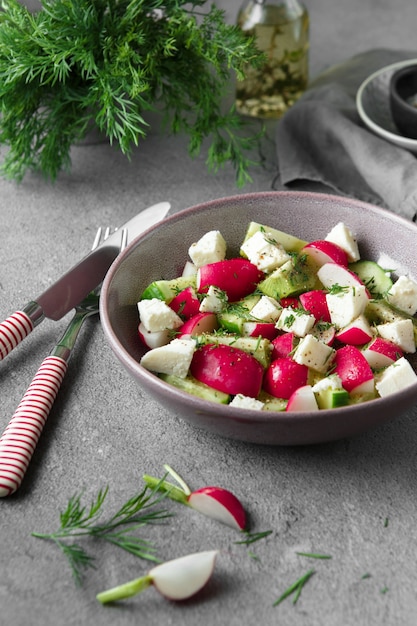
(75,284)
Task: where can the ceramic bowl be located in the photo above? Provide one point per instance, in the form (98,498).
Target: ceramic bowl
(373,105)
(403,100)
(161,253)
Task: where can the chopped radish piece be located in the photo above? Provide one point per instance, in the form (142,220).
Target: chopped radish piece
(237,277)
(315,302)
(219,504)
(357,333)
(283,345)
(333,274)
(198,324)
(303,399)
(352,367)
(283,377)
(227,369)
(325,332)
(322,252)
(290,302)
(381,353)
(186,304)
(178,579)
(260,329)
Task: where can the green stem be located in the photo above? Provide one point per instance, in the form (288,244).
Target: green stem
(126,590)
(173,492)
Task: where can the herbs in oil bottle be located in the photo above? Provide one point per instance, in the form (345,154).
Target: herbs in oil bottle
(281,31)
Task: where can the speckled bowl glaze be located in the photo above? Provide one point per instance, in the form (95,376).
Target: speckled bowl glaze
(161,253)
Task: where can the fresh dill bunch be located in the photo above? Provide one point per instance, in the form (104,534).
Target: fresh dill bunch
(77,64)
(78,521)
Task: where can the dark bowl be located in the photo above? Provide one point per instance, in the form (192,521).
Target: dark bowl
(161,253)
(403,100)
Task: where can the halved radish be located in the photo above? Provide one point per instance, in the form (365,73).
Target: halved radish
(227,369)
(331,274)
(178,579)
(260,329)
(352,367)
(154,339)
(283,377)
(238,277)
(303,399)
(283,345)
(381,353)
(357,333)
(219,504)
(322,251)
(325,332)
(199,324)
(186,303)
(315,303)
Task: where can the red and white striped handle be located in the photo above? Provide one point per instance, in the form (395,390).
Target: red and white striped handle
(13,331)
(19,440)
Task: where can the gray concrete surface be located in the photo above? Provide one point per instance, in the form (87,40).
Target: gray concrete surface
(354,499)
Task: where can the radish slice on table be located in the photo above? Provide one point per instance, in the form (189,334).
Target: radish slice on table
(178,579)
(227,369)
(215,502)
(237,277)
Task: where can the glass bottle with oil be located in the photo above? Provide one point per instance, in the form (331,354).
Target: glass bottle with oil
(281,31)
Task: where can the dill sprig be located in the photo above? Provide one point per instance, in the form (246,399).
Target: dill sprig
(104,63)
(79,520)
(295,588)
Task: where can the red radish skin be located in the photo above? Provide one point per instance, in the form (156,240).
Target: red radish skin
(302,400)
(322,252)
(352,367)
(237,277)
(227,369)
(219,504)
(315,302)
(186,304)
(198,324)
(283,377)
(290,301)
(260,329)
(356,334)
(283,345)
(381,353)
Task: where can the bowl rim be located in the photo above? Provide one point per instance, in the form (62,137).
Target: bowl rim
(394,91)
(396,138)
(206,407)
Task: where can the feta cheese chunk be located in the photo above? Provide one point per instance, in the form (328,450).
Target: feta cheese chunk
(245,402)
(267,309)
(314,354)
(209,249)
(347,304)
(263,251)
(293,321)
(403,295)
(331,382)
(213,301)
(174,358)
(400,332)
(397,376)
(156,315)
(343,237)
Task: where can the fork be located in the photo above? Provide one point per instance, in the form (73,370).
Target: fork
(21,436)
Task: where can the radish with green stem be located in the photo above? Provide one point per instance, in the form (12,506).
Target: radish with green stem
(215,502)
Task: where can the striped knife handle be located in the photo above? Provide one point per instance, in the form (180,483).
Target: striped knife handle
(13,331)
(19,440)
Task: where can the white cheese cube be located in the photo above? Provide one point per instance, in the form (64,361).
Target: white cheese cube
(314,354)
(189,269)
(209,249)
(403,295)
(347,304)
(397,376)
(267,309)
(400,332)
(213,301)
(263,251)
(245,402)
(156,315)
(331,382)
(296,322)
(174,358)
(343,237)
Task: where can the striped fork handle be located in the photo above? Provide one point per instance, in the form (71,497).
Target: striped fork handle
(19,440)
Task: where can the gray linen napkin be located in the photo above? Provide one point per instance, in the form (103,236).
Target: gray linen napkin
(322,139)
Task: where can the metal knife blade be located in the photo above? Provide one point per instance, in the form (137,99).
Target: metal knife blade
(75,284)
